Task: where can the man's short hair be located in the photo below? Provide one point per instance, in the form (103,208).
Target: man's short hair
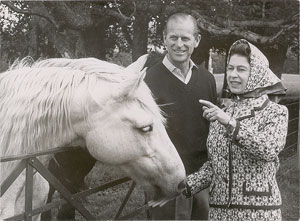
(183,16)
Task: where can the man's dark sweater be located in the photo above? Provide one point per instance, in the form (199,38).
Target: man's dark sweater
(186,126)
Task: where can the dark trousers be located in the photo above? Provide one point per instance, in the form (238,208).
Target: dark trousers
(194,208)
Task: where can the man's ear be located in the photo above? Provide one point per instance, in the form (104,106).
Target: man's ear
(198,39)
(164,39)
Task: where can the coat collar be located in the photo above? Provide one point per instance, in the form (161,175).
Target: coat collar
(242,108)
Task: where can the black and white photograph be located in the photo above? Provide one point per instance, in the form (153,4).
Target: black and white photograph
(149,110)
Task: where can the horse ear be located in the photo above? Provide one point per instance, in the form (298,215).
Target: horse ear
(138,65)
(138,82)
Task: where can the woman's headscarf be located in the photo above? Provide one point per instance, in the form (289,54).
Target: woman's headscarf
(261,79)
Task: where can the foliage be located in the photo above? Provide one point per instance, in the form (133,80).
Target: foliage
(13,31)
(98,28)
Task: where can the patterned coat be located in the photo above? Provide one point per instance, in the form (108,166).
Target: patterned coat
(242,166)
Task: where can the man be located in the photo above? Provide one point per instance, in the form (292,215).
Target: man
(178,84)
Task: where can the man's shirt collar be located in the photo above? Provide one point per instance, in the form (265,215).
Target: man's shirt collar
(177,72)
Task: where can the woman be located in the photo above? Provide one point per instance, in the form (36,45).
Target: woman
(244,141)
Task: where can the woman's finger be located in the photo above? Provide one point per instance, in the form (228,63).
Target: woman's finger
(153,203)
(208,116)
(206,113)
(164,202)
(210,111)
(207,103)
(160,203)
(213,118)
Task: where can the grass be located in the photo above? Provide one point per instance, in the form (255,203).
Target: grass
(288,180)
(104,205)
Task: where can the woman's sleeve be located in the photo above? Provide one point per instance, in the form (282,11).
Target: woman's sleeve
(267,140)
(199,180)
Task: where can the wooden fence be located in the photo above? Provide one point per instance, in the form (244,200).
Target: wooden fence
(29,162)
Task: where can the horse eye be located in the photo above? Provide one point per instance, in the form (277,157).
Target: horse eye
(146,129)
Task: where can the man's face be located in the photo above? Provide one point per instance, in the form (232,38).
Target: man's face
(180,40)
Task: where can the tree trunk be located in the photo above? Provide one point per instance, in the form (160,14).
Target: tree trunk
(140,30)
(64,44)
(201,53)
(93,43)
(62,41)
(276,57)
(32,38)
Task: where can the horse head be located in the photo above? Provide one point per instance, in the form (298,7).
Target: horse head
(111,111)
(121,125)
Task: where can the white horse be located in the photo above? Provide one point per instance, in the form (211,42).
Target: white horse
(89,103)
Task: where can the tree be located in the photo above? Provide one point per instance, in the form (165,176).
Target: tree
(74,29)
(94,28)
(271,25)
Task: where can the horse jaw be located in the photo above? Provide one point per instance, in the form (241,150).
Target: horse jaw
(156,186)
(160,170)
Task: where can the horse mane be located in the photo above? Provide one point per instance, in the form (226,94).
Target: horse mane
(35,99)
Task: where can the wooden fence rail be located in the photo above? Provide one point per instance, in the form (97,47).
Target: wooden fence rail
(293,128)
(30,162)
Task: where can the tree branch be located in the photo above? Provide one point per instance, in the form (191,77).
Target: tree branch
(122,19)
(125,17)
(254,23)
(69,17)
(29,12)
(118,15)
(212,29)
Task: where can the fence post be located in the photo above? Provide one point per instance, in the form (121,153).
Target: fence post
(28,191)
(298,148)
(125,200)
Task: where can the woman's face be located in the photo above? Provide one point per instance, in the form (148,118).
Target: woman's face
(238,71)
